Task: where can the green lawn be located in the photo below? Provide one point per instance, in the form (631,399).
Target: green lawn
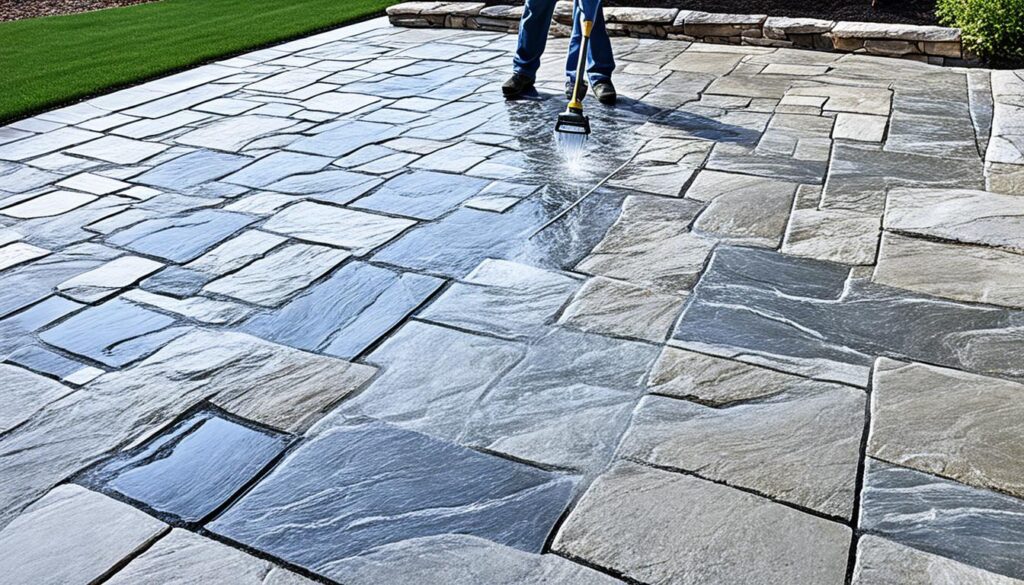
(46,62)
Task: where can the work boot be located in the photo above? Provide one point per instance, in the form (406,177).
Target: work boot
(516,86)
(568,89)
(604,91)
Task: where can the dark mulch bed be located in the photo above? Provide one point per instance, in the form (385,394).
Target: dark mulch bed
(19,9)
(892,11)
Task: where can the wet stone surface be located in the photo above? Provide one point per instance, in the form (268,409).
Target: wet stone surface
(338,311)
(417,487)
(192,468)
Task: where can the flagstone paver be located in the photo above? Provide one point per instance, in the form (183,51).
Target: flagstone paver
(305,305)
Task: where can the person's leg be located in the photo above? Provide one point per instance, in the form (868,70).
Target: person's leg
(600,61)
(533,36)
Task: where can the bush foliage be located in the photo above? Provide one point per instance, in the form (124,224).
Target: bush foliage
(992,29)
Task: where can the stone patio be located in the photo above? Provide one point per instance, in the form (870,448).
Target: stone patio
(287,318)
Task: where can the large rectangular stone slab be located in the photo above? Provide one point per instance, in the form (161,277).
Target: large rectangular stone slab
(354,488)
(804,317)
(801,447)
(348,312)
(181,239)
(271,280)
(422,194)
(961,215)
(659,527)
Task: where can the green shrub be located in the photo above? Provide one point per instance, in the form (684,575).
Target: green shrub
(992,29)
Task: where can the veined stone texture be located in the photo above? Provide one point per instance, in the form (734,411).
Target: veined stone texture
(357,487)
(965,273)
(270,280)
(23,393)
(977,527)
(73,535)
(971,217)
(183,558)
(884,562)
(955,424)
(802,448)
(661,527)
(622,309)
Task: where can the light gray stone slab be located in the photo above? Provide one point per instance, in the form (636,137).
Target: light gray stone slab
(93,183)
(276,167)
(463,560)
(951,423)
(622,309)
(339,102)
(182,557)
(963,273)
(357,231)
(73,535)
(45,143)
(973,217)
(566,403)
(48,205)
(861,127)
(123,151)
(24,393)
(660,527)
(236,252)
(270,280)
(431,379)
(181,101)
(234,133)
(105,281)
(503,298)
(201,309)
(884,562)
(288,81)
(650,245)
(18,253)
(800,447)
(147,128)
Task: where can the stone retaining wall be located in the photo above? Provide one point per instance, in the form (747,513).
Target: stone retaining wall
(931,44)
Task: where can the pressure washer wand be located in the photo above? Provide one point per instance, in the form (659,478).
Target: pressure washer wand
(572,120)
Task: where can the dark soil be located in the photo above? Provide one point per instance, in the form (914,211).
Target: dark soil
(892,11)
(19,9)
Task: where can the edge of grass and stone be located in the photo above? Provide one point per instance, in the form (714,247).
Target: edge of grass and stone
(58,60)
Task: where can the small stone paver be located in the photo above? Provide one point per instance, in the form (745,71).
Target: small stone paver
(622,309)
(270,280)
(19,253)
(107,280)
(73,535)
(503,298)
(48,205)
(661,527)
(162,473)
(357,231)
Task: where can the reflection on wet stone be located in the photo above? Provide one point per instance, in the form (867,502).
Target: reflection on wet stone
(396,485)
(192,468)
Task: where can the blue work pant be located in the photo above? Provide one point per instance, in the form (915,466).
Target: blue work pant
(533,37)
